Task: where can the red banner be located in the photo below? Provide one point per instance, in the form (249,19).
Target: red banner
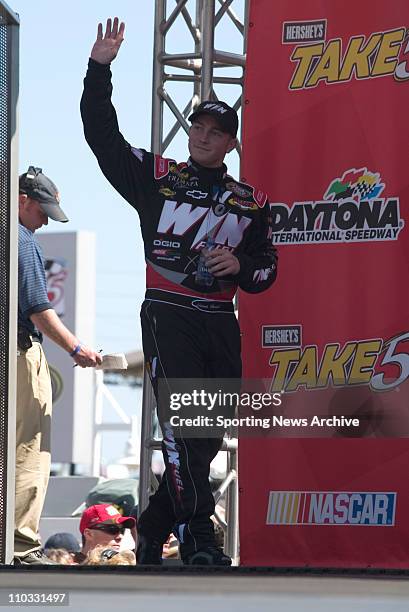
(325,135)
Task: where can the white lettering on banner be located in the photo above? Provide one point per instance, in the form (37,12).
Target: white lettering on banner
(355,509)
(179,218)
(331,508)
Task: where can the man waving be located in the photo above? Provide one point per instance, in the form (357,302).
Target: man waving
(205,235)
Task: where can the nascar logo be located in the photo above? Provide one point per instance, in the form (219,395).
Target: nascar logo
(331,508)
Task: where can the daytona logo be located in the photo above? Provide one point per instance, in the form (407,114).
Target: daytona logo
(383,365)
(331,508)
(351,211)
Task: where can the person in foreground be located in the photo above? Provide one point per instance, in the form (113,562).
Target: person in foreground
(205,235)
(38,202)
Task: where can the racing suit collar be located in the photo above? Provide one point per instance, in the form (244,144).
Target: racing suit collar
(208,174)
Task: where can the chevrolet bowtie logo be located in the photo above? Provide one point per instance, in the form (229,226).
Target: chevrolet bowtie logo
(195,193)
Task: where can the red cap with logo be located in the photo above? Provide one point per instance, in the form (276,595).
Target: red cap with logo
(104,514)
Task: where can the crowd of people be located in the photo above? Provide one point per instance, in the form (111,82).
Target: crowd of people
(102,529)
(101,540)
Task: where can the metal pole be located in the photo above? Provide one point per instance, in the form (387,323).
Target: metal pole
(207,19)
(232,509)
(98,412)
(197,85)
(158,77)
(9,461)
(146,440)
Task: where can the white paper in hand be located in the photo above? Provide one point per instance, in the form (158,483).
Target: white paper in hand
(113,361)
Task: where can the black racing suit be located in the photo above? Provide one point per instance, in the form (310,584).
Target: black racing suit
(189,328)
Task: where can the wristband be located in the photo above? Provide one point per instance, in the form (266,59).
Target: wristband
(76,350)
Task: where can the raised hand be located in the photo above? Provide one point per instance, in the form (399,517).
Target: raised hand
(106,46)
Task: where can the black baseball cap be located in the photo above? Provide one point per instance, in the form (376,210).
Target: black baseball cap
(39,187)
(225,115)
(63,540)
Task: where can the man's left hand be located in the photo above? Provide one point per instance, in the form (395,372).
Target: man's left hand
(87,357)
(221,262)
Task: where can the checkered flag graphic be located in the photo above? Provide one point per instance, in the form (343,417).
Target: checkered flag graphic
(362,189)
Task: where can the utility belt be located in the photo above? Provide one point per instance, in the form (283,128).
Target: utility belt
(188,301)
(25,339)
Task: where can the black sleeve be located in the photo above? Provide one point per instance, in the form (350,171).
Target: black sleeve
(128,169)
(258,264)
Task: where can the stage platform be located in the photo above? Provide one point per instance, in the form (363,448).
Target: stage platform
(228,590)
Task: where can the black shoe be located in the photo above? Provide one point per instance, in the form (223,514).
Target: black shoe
(208,556)
(36,557)
(149,551)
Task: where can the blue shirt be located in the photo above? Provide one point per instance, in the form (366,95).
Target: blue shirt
(32,283)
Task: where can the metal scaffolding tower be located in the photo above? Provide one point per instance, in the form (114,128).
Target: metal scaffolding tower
(198,67)
(197,73)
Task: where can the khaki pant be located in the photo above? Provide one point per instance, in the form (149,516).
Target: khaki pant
(33,458)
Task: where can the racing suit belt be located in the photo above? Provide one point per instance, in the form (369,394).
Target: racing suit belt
(189,301)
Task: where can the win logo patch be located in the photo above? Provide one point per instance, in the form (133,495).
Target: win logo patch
(331,508)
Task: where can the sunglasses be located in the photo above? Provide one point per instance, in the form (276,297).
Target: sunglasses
(111,529)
